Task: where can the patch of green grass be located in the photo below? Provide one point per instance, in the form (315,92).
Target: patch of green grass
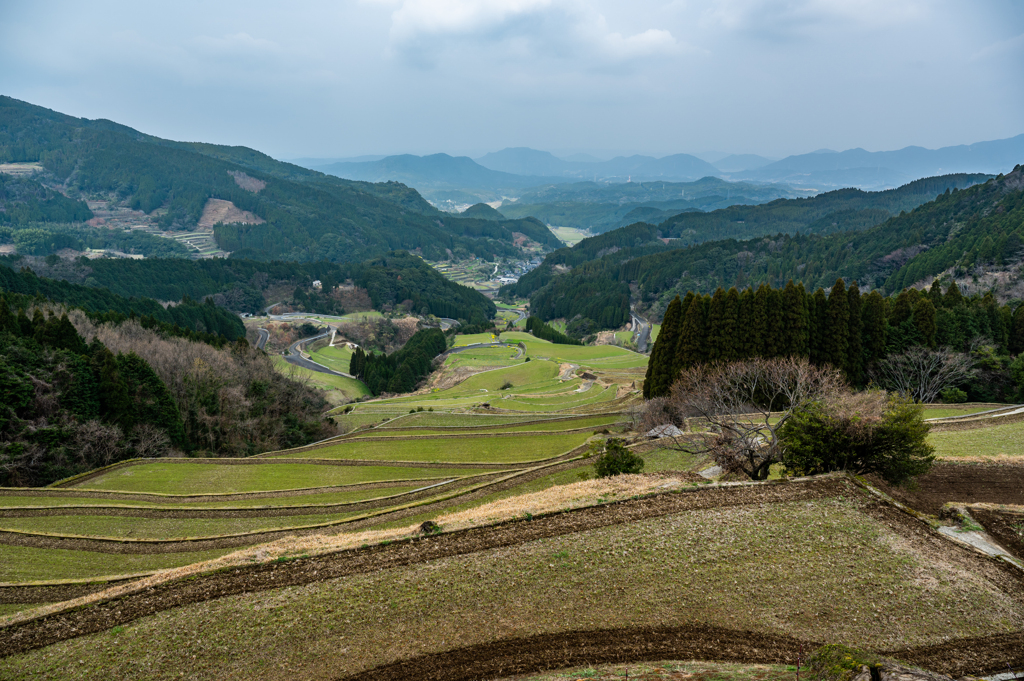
(337,357)
(516,336)
(449,420)
(197,478)
(291,500)
(127,527)
(655,330)
(25,564)
(453,450)
(674,460)
(953,410)
(993,441)
(347,388)
(470,339)
(600,421)
(817,570)
(11,608)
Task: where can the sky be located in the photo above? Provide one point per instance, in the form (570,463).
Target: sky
(328,79)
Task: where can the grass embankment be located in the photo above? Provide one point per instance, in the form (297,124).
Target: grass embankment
(483,357)
(823,569)
(947,410)
(463,339)
(213,478)
(128,527)
(602,421)
(286,500)
(336,357)
(20,564)
(338,388)
(488,449)
(996,442)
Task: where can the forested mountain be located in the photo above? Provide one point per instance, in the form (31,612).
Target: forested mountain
(307,215)
(204,318)
(86,385)
(962,228)
(525,161)
(242,285)
(600,207)
(432,172)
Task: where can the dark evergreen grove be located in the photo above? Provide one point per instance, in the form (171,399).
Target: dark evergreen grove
(400,371)
(842,328)
(546,332)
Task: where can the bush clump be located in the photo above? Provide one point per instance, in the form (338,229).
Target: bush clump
(840,663)
(616,459)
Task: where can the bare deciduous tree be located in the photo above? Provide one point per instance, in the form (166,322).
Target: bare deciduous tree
(744,404)
(922,373)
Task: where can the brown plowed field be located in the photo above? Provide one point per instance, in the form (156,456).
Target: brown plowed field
(552,651)
(964,482)
(1005,528)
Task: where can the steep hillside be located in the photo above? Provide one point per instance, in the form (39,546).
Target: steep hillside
(899,251)
(306,215)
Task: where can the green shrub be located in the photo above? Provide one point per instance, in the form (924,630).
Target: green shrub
(869,432)
(506,385)
(839,663)
(617,459)
(953,395)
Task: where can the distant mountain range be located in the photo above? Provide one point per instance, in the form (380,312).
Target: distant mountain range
(526,161)
(885,169)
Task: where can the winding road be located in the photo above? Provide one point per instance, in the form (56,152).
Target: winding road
(295,357)
(643,330)
(261,342)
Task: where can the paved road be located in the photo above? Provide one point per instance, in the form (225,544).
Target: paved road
(295,357)
(643,329)
(447,323)
(264,337)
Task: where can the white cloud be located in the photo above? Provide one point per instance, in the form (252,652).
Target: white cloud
(423,29)
(785,18)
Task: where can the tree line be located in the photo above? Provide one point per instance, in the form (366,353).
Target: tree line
(400,371)
(547,332)
(844,329)
(961,229)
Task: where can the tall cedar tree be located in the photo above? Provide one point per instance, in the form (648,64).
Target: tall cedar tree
(660,369)
(855,344)
(796,322)
(924,321)
(837,326)
(818,310)
(690,349)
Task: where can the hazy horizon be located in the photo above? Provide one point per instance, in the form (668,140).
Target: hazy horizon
(468,77)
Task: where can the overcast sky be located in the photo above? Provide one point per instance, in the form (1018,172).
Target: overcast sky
(337,78)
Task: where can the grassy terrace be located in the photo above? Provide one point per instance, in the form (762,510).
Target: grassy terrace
(818,570)
(487,449)
(25,564)
(344,388)
(207,478)
(269,502)
(993,442)
(438,419)
(556,425)
(127,527)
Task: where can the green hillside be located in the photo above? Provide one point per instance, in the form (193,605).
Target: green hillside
(307,215)
(844,234)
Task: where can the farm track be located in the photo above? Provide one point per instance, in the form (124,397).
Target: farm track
(498,658)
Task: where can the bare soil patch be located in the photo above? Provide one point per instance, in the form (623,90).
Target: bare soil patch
(1006,528)
(996,483)
(218,210)
(247,182)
